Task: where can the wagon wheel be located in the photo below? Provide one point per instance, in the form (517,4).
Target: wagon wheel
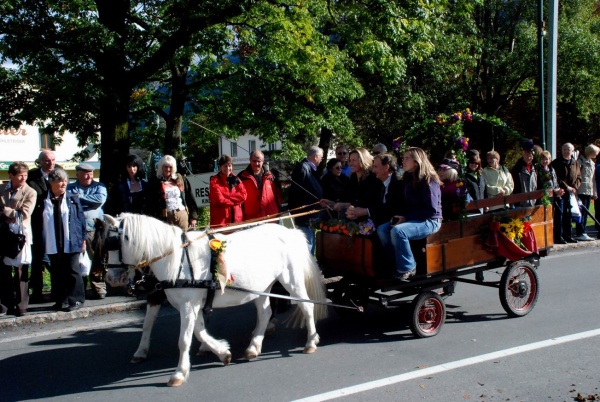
(350,295)
(519,288)
(429,314)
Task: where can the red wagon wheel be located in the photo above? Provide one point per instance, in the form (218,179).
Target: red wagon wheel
(429,314)
(519,288)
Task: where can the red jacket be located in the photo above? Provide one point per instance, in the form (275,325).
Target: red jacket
(259,204)
(225,200)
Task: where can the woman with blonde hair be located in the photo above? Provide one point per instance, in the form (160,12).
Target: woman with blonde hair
(170,197)
(421,212)
(362,183)
(587,190)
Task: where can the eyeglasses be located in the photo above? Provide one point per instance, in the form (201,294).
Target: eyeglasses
(342,153)
(375,152)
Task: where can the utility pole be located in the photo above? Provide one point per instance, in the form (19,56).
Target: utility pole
(552,75)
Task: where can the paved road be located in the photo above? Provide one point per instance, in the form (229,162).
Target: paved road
(550,355)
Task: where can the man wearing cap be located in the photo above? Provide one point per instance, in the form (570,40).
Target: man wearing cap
(379,149)
(92,195)
(524,174)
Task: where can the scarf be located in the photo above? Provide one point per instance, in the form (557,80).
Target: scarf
(49,228)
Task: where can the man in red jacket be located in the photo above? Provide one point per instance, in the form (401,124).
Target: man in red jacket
(264,198)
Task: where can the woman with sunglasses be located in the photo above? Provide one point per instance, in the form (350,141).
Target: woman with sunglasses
(341,153)
(334,183)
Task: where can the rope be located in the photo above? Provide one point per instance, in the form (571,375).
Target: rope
(235,226)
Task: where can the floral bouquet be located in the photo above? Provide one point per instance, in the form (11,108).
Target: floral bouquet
(343,226)
(510,238)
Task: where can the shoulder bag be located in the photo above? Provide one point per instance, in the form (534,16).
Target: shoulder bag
(11,243)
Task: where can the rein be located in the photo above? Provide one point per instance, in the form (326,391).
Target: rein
(238,226)
(212,285)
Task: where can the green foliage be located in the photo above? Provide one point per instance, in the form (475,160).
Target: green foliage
(452,131)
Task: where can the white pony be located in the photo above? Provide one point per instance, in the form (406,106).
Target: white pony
(255,258)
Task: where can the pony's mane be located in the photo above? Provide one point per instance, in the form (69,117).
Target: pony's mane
(150,238)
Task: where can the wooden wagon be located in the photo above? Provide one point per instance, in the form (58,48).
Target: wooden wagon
(357,271)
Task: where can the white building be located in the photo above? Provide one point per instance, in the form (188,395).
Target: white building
(241,148)
(25,143)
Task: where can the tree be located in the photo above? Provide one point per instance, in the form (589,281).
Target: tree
(85,58)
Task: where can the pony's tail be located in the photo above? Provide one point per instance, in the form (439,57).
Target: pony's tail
(315,288)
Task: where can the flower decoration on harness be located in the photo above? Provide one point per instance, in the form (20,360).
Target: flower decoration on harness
(218,263)
(217,245)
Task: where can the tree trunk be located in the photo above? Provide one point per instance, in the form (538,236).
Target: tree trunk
(175,117)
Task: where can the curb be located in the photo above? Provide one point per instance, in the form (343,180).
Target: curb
(84,312)
(581,244)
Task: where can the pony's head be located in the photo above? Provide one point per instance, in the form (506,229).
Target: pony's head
(144,238)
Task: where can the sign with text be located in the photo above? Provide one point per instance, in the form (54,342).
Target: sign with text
(20,144)
(200,184)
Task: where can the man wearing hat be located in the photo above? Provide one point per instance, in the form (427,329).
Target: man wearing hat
(92,195)
(523,173)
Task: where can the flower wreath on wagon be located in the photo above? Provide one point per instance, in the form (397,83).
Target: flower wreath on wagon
(511,238)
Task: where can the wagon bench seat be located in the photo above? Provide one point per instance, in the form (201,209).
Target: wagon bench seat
(456,245)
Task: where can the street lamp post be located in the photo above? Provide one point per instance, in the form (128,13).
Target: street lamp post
(541,92)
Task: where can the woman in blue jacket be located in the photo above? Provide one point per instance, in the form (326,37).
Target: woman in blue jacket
(64,234)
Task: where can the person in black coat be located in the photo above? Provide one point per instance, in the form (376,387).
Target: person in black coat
(305,191)
(474,179)
(334,182)
(133,188)
(38,180)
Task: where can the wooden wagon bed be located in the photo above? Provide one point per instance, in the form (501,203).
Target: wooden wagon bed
(363,273)
(456,245)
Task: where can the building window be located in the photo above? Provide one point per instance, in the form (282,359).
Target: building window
(251,146)
(272,147)
(46,141)
(233,149)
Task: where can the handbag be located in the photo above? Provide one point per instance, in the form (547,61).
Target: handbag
(85,265)
(11,244)
(575,211)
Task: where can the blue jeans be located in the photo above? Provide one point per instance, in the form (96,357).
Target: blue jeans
(396,240)
(310,237)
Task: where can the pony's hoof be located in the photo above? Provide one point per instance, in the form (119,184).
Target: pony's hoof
(309,350)
(175,382)
(136,360)
(250,355)
(227,359)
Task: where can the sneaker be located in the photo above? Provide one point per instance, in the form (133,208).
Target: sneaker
(75,306)
(405,276)
(570,240)
(584,237)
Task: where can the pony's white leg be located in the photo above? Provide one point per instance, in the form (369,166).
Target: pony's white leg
(188,315)
(263,313)
(208,343)
(142,351)
(311,328)
(308,312)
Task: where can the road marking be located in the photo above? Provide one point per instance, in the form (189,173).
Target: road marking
(384,382)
